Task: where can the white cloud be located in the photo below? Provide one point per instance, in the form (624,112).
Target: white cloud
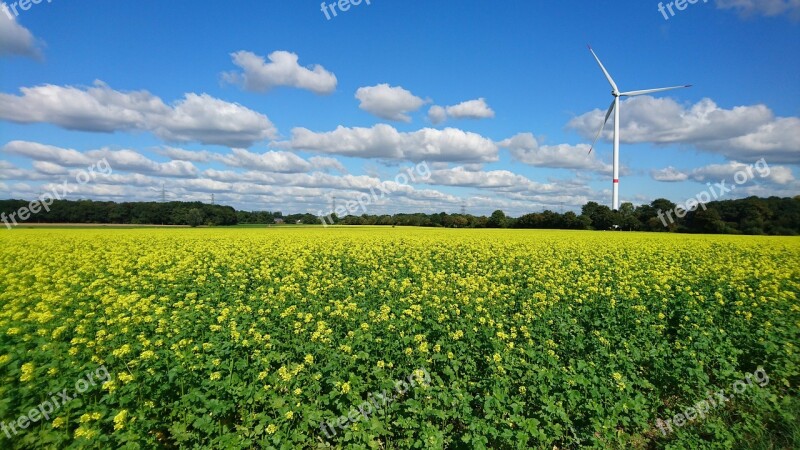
(132,161)
(282,70)
(326,163)
(195,118)
(15,40)
(471,109)
(437,114)
(761,171)
(48,153)
(269,161)
(185,155)
(388,102)
(208,120)
(384,141)
(768,8)
(526,149)
(48,158)
(521,194)
(48,168)
(745,133)
(668,174)
(495,179)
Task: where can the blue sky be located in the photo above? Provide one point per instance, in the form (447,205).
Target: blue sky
(272,105)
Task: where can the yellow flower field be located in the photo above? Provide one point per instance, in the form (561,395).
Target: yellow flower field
(254,338)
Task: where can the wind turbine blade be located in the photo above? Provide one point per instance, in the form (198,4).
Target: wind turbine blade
(608,77)
(650,91)
(608,114)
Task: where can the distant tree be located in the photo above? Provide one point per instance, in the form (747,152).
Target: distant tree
(194,217)
(707,221)
(627,217)
(497,220)
(601,216)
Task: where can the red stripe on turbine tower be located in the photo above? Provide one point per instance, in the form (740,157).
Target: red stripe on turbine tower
(616,180)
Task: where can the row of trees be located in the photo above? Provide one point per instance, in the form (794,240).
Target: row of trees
(753,215)
(138,213)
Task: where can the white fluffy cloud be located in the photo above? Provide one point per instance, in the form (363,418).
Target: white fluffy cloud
(49,153)
(186,155)
(384,141)
(326,163)
(768,8)
(283,69)
(437,114)
(269,161)
(761,171)
(15,40)
(48,159)
(526,149)
(471,109)
(514,191)
(388,102)
(744,133)
(195,118)
(669,174)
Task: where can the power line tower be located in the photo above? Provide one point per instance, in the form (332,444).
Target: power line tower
(333,207)
(163,194)
(463,209)
(212,198)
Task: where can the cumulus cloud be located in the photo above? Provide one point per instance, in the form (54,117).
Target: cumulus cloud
(270,161)
(744,133)
(326,163)
(515,191)
(48,168)
(388,102)
(185,155)
(668,174)
(471,109)
(437,114)
(283,69)
(384,141)
(15,40)
(49,153)
(195,118)
(762,171)
(132,161)
(495,179)
(768,8)
(48,159)
(526,149)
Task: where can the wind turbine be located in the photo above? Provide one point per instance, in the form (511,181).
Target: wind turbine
(615,107)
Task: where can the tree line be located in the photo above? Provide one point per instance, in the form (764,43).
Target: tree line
(752,215)
(132,213)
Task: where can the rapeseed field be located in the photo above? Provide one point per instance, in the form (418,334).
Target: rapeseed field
(268,338)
